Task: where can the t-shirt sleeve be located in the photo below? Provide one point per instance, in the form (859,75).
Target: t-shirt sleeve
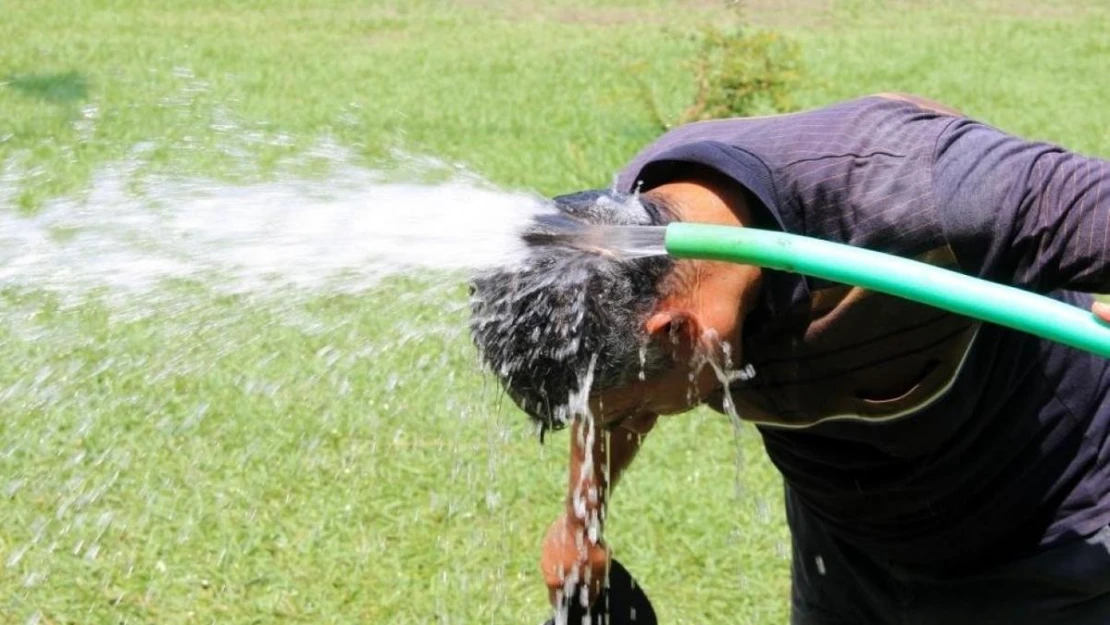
(1025,213)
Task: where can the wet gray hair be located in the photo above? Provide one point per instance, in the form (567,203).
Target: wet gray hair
(567,320)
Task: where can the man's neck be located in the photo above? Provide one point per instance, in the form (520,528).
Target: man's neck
(705,198)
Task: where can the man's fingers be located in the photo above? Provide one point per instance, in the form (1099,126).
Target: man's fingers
(570,561)
(1102,311)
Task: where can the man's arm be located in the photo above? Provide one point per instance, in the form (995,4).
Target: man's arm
(574,550)
(597,460)
(1022,212)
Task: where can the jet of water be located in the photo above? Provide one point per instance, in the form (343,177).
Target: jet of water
(617,241)
(345,232)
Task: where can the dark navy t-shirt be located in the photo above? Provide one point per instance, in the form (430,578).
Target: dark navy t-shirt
(925,438)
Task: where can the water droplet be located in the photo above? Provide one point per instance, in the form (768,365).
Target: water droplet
(17,555)
(782,551)
(762,511)
(34,578)
(13,486)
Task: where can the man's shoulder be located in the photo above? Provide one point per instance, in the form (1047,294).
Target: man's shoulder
(864,111)
(881,100)
(920,102)
(882,122)
(831,113)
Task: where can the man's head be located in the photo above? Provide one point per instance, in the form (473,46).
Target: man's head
(570,318)
(626,335)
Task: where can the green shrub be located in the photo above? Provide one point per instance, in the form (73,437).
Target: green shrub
(741,73)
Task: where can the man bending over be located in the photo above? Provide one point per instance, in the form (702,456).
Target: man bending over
(937,469)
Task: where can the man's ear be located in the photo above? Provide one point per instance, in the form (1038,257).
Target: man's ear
(676,331)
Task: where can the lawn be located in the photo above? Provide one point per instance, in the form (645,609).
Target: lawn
(338,458)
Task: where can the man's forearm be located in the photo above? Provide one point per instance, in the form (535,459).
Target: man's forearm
(597,460)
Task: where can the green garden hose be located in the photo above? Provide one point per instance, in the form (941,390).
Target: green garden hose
(941,288)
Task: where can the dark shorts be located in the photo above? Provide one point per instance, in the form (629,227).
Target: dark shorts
(836,584)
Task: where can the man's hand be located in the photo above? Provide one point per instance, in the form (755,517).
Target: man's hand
(1102,311)
(572,562)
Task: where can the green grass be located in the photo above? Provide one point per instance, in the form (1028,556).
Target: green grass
(240,460)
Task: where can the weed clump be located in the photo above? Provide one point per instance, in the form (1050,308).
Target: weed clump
(740,73)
